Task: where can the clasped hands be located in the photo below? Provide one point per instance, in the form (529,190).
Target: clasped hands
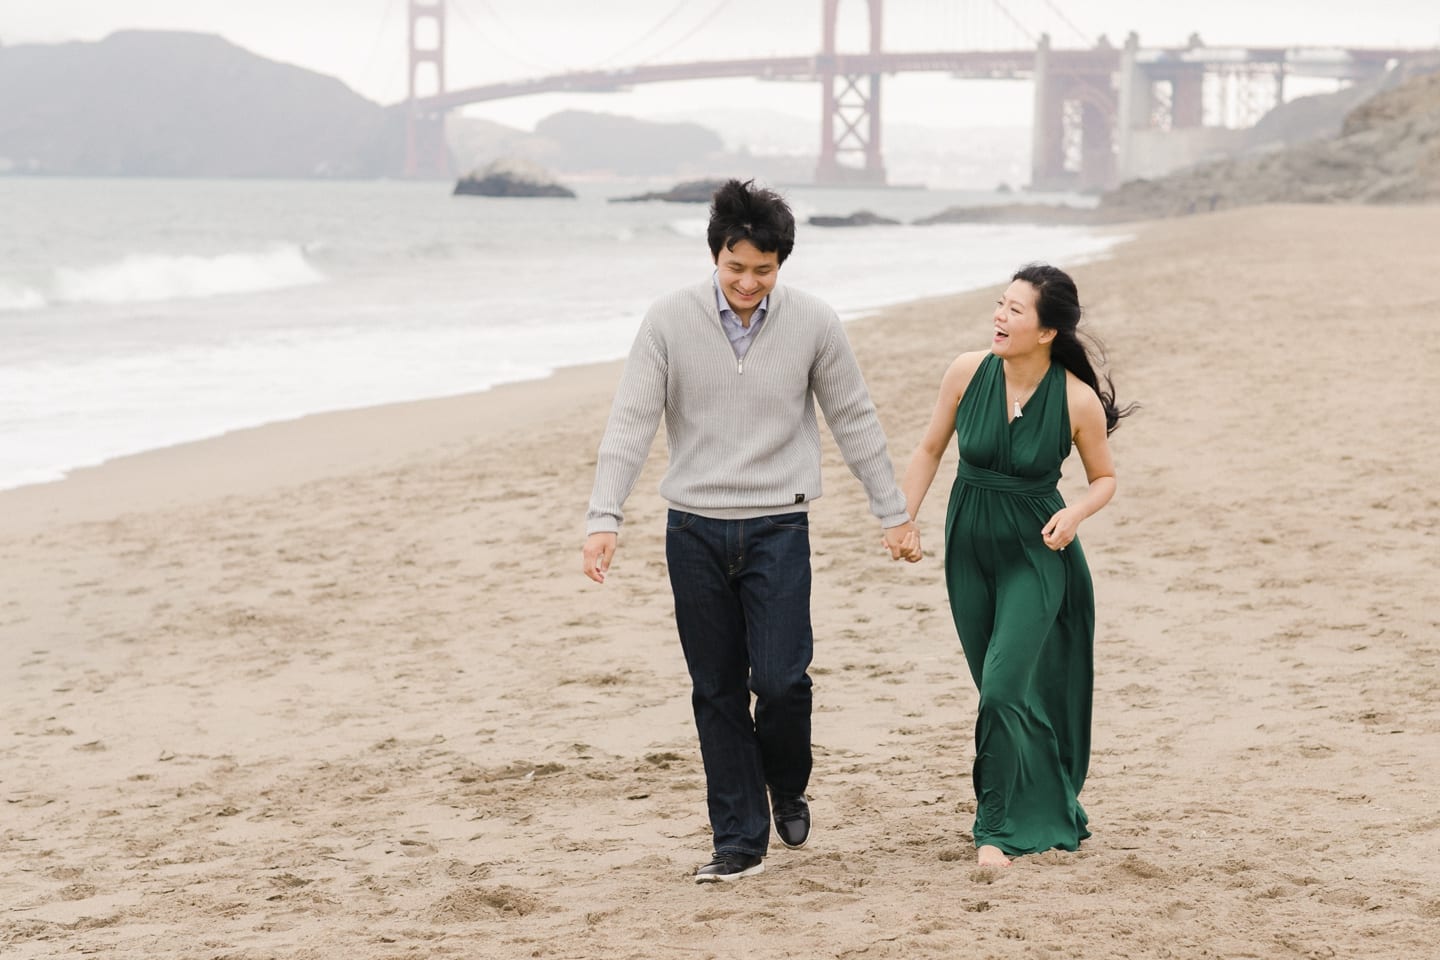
(903,542)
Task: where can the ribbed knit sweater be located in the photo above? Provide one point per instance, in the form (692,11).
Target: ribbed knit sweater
(742,434)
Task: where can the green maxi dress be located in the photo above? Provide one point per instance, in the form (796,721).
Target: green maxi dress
(1025,615)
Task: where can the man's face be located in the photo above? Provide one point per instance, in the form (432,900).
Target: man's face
(746,276)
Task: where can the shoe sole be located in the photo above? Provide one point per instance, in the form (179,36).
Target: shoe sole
(716,878)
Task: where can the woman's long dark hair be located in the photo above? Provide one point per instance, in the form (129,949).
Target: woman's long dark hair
(1058,304)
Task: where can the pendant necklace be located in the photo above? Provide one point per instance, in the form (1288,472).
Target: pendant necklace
(1016,415)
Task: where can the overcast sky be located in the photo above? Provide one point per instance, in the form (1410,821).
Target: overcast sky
(363,41)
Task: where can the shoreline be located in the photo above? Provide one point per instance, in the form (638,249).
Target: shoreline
(191,460)
(205,356)
(232,463)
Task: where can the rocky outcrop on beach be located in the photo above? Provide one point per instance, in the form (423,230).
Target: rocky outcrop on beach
(1046,213)
(860,218)
(1388,151)
(691,191)
(1319,116)
(511,178)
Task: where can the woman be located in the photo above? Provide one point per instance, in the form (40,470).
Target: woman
(1019,588)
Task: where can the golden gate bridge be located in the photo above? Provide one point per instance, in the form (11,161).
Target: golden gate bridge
(1102,113)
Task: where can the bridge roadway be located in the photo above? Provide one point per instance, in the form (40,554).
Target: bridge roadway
(974,64)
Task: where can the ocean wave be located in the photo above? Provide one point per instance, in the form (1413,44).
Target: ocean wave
(139,278)
(20,298)
(689,227)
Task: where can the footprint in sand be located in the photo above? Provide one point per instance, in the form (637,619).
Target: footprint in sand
(478,903)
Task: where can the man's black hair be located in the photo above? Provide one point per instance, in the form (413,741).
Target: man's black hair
(743,211)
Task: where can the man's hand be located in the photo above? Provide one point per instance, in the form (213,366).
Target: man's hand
(599,551)
(903,542)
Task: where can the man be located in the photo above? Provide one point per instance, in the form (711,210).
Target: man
(733,364)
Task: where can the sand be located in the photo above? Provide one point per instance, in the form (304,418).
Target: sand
(337,688)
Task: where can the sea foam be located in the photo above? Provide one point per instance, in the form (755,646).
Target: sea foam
(13,297)
(138,278)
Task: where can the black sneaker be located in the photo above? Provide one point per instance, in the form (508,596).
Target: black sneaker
(792,820)
(729,866)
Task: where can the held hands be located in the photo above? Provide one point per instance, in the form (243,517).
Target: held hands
(903,542)
(1061,529)
(598,552)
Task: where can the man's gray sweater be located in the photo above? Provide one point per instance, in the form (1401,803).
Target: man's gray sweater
(742,434)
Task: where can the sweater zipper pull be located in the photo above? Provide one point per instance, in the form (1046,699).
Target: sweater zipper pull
(740,365)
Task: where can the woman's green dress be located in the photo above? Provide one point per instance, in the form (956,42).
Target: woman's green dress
(1025,615)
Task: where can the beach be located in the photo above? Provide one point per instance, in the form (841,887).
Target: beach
(337,686)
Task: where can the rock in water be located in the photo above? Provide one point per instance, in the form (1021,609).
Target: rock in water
(691,191)
(511,178)
(860,218)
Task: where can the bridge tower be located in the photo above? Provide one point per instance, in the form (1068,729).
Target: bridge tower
(426,154)
(850,116)
(1076,106)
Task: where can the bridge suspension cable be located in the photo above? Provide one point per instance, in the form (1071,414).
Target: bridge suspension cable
(1015,21)
(370,61)
(1081,34)
(701,25)
(528,55)
(534,63)
(659,25)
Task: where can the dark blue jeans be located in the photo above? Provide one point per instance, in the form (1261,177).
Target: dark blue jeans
(742,606)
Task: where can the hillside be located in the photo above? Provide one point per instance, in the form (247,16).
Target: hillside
(169,104)
(597,144)
(162,104)
(1388,151)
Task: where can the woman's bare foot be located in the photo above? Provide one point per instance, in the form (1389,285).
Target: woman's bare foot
(993,857)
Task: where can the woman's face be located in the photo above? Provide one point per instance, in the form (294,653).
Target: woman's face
(1017,324)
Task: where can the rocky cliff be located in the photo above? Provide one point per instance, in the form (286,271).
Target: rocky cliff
(1388,151)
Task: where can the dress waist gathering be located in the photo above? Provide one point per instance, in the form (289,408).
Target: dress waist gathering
(1004,483)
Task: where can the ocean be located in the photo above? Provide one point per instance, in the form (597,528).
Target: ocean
(137,314)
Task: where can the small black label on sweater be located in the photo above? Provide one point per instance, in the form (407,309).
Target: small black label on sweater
(799,498)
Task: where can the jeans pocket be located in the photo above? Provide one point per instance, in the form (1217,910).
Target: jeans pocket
(789,521)
(679,520)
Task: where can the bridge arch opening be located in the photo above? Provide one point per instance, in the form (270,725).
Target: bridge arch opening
(1090,115)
